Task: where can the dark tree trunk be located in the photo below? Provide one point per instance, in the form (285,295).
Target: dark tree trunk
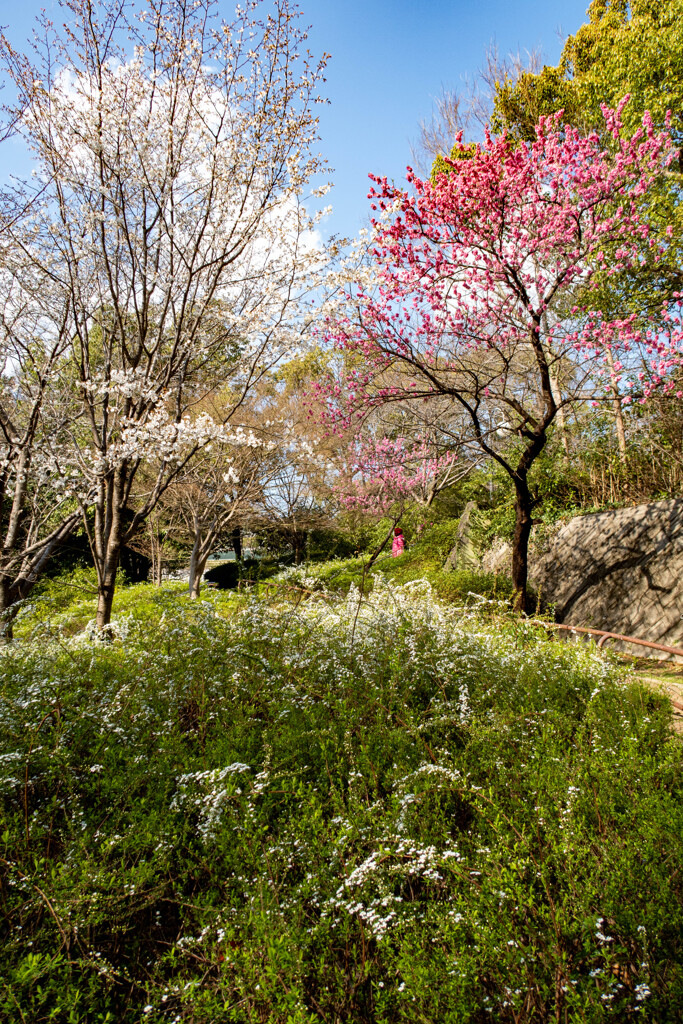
(524,505)
(198,559)
(105,599)
(108,542)
(8,610)
(195,580)
(299,545)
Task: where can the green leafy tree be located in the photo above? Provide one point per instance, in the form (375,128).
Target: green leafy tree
(634,48)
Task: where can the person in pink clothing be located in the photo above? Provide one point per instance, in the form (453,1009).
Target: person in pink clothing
(399,544)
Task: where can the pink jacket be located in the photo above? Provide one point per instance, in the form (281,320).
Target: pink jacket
(398,546)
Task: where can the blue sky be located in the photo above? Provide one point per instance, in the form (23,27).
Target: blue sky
(389,59)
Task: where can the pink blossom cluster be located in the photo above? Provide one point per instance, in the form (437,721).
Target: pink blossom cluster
(488,256)
(390,471)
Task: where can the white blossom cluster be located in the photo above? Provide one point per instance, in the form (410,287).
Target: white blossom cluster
(367,868)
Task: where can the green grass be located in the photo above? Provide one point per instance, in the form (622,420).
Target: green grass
(266,812)
(66,606)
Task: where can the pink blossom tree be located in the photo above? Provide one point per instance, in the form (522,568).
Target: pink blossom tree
(386,475)
(485,291)
(389,472)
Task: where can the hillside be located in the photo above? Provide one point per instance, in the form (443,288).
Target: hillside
(248,810)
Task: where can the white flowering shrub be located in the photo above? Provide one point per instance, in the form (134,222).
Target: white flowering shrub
(381,810)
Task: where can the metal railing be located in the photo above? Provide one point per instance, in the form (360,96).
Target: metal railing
(605,636)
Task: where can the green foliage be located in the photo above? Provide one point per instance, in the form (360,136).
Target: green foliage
(423,560)
(518,105)
(298,372)
(461,584)
(385,813)
(337,575)
(324,544)
(634,48)
(67,601)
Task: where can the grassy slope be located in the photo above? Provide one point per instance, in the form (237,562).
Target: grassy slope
(424,559)
(249,812)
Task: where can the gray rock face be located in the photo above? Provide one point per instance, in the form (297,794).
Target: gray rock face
(463,554)
(620,571)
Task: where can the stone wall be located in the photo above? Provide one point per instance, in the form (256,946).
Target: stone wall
(620,571)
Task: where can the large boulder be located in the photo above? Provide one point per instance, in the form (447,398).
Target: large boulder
(620,571)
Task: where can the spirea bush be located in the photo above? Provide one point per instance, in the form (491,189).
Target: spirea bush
(386,811)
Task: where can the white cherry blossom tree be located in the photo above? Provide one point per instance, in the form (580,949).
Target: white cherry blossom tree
(172,155)
(214,494)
